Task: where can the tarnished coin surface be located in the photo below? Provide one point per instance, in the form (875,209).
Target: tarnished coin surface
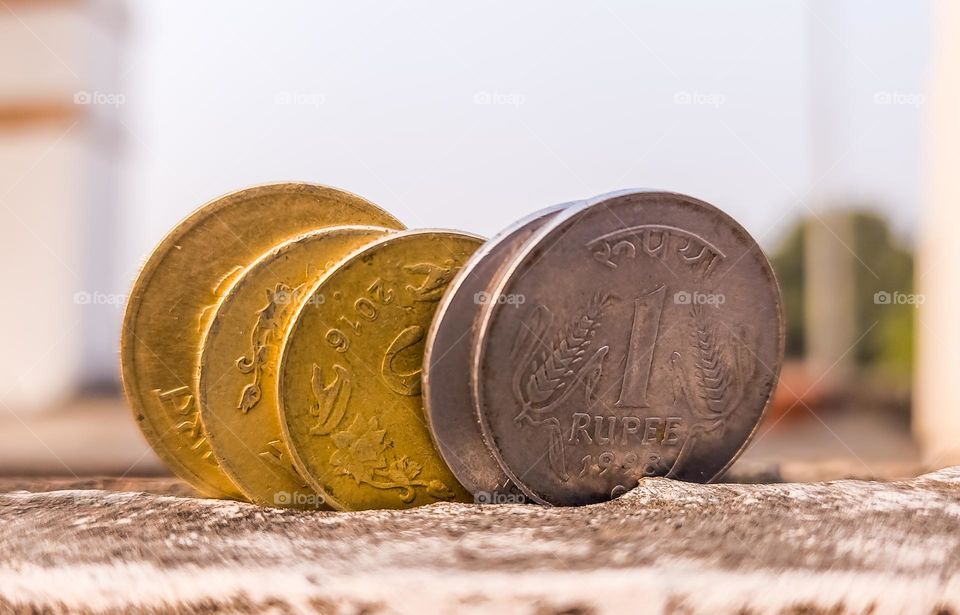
(648,344)
(447,397)
(174,296)
(350,374)
(237,389)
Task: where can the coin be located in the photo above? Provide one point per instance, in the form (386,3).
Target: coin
(174,294)
(350,374)
(237,391)
(648,344)
(447,399)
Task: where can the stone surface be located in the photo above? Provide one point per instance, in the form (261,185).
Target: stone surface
(839,547)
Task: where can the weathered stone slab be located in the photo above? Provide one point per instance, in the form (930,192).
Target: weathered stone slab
(839,547)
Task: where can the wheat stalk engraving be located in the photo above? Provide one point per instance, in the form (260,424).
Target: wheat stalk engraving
(549,373)
(722,367)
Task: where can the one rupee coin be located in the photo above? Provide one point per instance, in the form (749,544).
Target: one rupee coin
(649,344)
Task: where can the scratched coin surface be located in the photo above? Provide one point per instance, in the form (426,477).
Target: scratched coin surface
(447,398)
(174,296)
(237,390)
(350,374)
(648,343)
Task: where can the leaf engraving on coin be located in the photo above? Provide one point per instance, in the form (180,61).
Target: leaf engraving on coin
(723,365)
(361,448)
(362,454)
(266,333)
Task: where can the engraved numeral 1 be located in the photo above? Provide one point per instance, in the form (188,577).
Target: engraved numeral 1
(643,338)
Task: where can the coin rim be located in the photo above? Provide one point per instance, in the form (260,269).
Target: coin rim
(214,325)
(443,317)
(486,314)
(291,331)
(150,266)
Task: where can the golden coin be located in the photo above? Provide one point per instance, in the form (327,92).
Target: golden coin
(175,291)
(237,390)
(349,375)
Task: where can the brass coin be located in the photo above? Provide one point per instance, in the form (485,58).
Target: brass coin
(237,389)
(350,369)
(175,291)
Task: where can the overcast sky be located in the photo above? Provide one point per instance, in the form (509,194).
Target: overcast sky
(471,115)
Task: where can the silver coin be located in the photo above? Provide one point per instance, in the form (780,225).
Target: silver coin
(649,343)
(447,399)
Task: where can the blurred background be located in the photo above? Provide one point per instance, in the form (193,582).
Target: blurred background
(828,128)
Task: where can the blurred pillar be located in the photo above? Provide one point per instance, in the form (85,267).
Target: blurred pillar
(59,109)
(830,318)
(937,404)
(830,310)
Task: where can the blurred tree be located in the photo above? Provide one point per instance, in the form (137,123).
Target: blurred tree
(889,346)
(789,264)
(884,294)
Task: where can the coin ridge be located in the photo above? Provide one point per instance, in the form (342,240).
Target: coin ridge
(459,284)
(148,270)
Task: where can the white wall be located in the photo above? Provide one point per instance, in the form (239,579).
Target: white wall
(937,411)
(57,200)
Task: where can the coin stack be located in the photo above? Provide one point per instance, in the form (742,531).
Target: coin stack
(293,346)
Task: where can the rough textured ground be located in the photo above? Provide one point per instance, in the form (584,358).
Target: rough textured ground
(840,547)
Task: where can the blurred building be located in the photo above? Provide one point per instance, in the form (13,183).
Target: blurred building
(60,112)
(937,408)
